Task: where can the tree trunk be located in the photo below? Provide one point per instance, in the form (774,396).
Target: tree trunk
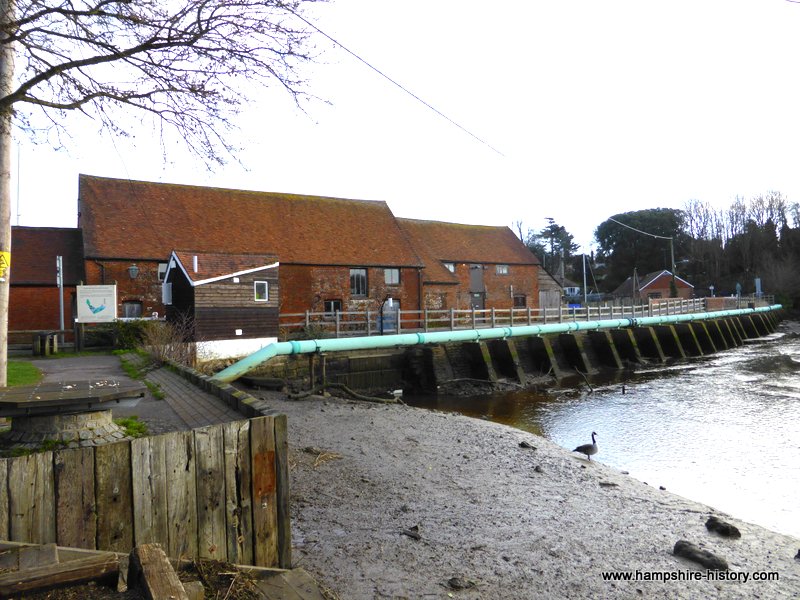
(7,12)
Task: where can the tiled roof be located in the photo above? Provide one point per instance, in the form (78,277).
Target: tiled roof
(434,272)
(211,265)
(143,220)
(34,251)
(626,287)
(482,244)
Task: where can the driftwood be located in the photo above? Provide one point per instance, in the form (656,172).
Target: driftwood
(342,388)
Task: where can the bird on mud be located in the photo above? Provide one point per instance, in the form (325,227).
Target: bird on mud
(588,449)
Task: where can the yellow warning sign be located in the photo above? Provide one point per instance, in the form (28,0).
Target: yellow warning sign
(5,264)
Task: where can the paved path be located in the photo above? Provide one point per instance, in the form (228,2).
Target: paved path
(185,406)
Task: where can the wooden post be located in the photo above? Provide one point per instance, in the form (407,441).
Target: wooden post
(452,319)
(425,326)
(369,324)
(338,322)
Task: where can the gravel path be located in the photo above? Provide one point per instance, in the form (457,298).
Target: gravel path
(397,502)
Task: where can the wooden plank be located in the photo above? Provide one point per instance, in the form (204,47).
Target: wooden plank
(75,571)
(149,484)
(114,497)
(76,508)
(31,498)
(282,491)
(4,512)
(265,510)
(209,450)
(181,494)
(152,572)
(238,492)
(27,557)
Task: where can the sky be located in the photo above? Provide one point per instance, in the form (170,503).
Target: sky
(587,109)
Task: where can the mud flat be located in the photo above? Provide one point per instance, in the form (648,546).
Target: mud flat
(390,501)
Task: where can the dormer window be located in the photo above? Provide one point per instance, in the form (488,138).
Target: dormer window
(450,266)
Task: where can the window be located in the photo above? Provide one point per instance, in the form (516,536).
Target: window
(132,309)
(520,301)
(501,269)
(162,270)
(450,267)
(261,290)
(391,276)
(332,306)
(358,282)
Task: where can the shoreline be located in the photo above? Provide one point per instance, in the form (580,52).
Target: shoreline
(391,501)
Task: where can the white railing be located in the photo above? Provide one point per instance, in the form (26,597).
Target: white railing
(372,322)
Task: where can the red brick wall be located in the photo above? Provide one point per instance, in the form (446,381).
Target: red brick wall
(662,285)
(145,288)
(523,279)
(307,287)
(37,308)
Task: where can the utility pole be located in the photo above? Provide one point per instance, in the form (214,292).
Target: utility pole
(7,16)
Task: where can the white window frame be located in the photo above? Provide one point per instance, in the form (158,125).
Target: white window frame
(391,273)
(501,269)
(266,291)
(450,266)
(162,271)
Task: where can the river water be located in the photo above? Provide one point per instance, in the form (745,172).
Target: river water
(723,430)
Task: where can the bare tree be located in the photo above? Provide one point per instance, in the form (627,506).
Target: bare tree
(183,62)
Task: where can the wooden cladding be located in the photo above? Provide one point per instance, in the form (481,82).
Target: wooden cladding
(218,492)
(221,323)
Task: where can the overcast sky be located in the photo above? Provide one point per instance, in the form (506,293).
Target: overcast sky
(588,108)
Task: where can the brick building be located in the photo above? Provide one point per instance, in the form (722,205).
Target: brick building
(653,286)
(334,254)
(473,266)
(34,297)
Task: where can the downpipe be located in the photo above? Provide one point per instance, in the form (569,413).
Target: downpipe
(247,364)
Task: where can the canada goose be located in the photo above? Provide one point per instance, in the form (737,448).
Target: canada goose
(588,449)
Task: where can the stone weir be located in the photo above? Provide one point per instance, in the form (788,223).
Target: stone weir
(547,359)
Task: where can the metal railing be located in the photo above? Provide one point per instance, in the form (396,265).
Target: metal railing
(372,322)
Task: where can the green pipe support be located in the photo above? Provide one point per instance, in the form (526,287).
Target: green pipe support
(249,363)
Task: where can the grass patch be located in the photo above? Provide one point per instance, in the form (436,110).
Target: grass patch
(137,370)
(22,372)
(155,389)
(132,426)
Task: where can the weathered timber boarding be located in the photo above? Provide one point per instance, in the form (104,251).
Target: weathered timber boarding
(218,492)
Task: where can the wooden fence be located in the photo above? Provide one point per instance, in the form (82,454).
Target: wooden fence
(218,492)
(371,322)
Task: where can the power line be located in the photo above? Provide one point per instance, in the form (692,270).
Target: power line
(661,237)
(385,76)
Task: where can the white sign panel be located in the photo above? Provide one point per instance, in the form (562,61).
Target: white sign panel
(97,303)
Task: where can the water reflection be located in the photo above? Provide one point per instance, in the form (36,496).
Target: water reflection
(723,430)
